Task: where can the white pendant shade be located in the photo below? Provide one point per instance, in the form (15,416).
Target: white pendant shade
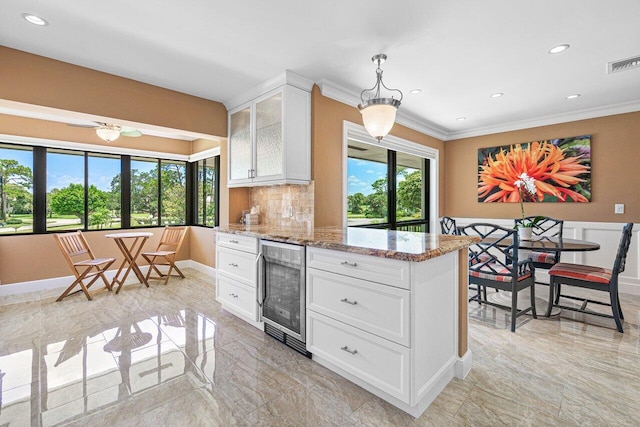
(108,133)
(379,119)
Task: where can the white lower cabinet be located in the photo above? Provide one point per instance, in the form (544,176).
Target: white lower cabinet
(236,275)
(391,328)
(380,362)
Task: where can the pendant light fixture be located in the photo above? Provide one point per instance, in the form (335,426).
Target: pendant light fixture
(109,132)
(378,114)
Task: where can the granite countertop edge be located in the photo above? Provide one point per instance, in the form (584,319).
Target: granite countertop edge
(307,238)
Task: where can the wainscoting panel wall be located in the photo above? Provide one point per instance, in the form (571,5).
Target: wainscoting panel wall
(607,234)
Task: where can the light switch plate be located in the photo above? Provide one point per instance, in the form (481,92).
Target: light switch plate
(619,208)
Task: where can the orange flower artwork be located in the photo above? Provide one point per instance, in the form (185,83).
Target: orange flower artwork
(561,169)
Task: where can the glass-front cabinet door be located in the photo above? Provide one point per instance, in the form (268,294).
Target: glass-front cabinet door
(240,145)
(269,136)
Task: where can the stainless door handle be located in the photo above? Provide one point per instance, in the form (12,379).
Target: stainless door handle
(349,302)
(260,298)
(350,264)
(234,241)
(345,348)
(233,264)
(233,295)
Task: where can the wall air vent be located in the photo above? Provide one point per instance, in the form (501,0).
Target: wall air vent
(623,65)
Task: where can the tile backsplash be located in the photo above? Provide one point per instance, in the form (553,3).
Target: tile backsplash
(284,205)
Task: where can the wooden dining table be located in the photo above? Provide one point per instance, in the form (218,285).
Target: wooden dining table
(545,244)
(130,244)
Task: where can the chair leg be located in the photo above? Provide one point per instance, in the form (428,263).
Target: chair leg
(533,301)
(551,297)
(514,309)
(78,281)
(616,311)
(558,291)
(619,306)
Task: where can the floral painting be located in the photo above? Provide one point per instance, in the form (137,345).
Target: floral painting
(560,168)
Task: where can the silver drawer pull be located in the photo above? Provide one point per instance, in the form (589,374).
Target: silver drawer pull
(233,264)
(350,264)
(233,295)
(349,302)
(233,241)
(345,348)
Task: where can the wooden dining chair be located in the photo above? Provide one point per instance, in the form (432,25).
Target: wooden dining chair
(165,254)
(495,264)
(592,277)
(83,263)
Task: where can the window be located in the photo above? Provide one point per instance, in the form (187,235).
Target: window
(173,183)
(44,189)
(104,191)
(16,189)
(367,193)
(144,192)
(207,200)
(387,184)
(66,190)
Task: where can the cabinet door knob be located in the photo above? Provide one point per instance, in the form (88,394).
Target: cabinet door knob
(233,295)
(350,264)
(349,302)
(345,348)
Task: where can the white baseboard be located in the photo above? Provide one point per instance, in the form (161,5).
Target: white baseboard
(63,282)
(463,365)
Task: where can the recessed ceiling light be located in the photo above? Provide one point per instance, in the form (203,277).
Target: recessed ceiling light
(460,119)
(415,91)
(496,95)
(574,96)
(559,48)
(35,19)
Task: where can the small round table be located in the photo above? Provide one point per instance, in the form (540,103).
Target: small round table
(130,255)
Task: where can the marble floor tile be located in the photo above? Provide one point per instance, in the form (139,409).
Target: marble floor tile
(170,355)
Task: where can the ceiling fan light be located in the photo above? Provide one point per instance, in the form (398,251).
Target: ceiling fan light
(379,118)
(108,133)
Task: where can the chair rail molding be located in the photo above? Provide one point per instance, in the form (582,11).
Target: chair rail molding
(607,234)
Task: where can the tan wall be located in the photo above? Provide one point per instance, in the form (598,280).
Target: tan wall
(615,149)
(26,258)
(326,139)
(201,246)
(23,126)
(37,80)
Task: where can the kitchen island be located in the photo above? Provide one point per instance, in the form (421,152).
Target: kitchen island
(385,309)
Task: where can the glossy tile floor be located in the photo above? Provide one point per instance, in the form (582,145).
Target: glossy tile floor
(169,356)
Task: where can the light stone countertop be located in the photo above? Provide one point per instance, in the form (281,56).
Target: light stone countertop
(402,245)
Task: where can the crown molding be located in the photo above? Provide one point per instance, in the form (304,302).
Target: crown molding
(205,154)
(286,77)
(350,97)
(590,113)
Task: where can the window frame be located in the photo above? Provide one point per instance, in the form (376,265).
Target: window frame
(40,148)
(352,131)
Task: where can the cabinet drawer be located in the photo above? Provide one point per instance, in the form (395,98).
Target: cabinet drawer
(391,272)
(237,297)
(238,265)
(381,363)
(379,309)
(237,241)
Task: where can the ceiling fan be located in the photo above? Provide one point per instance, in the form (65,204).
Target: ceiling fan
(109,131)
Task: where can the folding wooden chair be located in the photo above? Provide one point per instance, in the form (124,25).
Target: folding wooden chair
(82,262)
(165,254)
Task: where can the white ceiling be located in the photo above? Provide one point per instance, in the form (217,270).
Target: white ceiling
(458,52)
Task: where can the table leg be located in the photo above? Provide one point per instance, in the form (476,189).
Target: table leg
(130,261)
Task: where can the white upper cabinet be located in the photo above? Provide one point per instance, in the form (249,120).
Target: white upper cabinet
(270,133)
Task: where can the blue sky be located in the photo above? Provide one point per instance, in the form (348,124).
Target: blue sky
(362,173)
(63,169)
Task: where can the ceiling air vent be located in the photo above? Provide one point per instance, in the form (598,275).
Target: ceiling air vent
(623,65)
